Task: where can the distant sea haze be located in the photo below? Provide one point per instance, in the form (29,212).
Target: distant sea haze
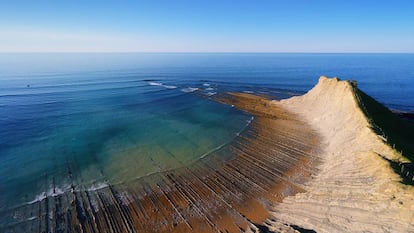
(91,120)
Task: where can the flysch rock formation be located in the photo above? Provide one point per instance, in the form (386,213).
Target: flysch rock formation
(228,190)
(312,163)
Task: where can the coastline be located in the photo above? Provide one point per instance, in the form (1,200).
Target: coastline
(309,163)
(230,190)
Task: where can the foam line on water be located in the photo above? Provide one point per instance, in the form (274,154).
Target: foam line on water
(98,186)
(155,84)
(189,89)
(52,192)
(224,144)
(162,85)
(211,93)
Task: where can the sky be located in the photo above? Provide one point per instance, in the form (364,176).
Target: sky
(207,26)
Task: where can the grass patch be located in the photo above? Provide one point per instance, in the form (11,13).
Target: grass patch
(399,133)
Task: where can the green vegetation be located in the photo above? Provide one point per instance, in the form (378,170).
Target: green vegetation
(399,133)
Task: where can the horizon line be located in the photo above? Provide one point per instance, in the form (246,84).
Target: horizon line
(199,52)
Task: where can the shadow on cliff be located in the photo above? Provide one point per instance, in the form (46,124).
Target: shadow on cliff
(397,132)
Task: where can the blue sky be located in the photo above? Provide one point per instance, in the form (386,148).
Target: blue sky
(207,26)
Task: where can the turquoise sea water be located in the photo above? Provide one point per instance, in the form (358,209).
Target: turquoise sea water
(94,119)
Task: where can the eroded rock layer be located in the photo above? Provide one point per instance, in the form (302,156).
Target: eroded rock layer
(228,190)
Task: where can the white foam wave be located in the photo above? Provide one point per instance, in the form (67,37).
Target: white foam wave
(213,150)
(206,84)
(31,218)
(251,119)
(161,84)
(52,192)
(224,144)
(211,93)
(209,89)
(98,186)
(155,84)
(125,198)
(249,92)
(169,86)
(189,89)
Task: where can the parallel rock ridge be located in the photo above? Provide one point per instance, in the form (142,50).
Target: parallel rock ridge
(356,189)
(228,190)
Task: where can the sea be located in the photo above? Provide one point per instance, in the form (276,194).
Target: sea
(83,121)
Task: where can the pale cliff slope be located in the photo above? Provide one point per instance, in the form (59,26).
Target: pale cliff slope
(356,190)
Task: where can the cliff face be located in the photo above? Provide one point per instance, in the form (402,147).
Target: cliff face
(356,189)
(335,108)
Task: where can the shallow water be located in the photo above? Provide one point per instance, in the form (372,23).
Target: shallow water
(91,119)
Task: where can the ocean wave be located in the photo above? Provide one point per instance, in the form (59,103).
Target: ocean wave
(125,198)
(248,92)
(31,218)
(211,93)
(161,84)
(52,192)
(213,150)
(209,89)
(248,122)
(189,89)
(98,186)
(206,84)
(154,84)
(169,86)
